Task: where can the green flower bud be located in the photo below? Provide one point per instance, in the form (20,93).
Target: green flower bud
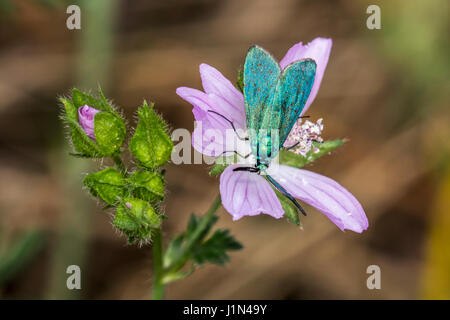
(151,145)
(107,184)
(97,130)
(136,218)
(147,185)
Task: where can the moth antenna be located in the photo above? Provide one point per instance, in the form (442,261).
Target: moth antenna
(230,122)
(234,151)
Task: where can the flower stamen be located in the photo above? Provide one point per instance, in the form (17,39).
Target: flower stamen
(302,136)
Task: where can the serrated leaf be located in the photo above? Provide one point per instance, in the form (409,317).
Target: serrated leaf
(109,132)
(201,248)
(214,250)
(295,160)
(151,145)
(147,185)
(107,184)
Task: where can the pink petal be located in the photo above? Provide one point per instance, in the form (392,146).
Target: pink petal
(248,194)
(215,83)
(318,50)
(86,115)
(210,135)
(325,194)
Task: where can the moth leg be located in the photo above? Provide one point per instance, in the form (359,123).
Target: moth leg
(234,151)
(293,146)
(249,169)
(230,122)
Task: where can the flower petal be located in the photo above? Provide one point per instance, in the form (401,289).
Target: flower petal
(210,134)
(318,50)
(232,99)
(325,194)
(248,194)
(86,116)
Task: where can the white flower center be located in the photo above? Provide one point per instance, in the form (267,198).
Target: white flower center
(302,136)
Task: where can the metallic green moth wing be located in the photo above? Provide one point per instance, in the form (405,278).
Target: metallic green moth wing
(293,88)
(261,72)
(274,100)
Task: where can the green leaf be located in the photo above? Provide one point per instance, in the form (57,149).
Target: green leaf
(217,169)
(19,254)
(240,81)
(81,142)
(147,185)
(214,250)
(221,164)
(107,184)
(201,248)
(109,132)
(295,160)
(151,145)
(136,218)
(173,276)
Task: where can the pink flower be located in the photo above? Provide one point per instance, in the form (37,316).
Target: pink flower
(86,116)
(248,194)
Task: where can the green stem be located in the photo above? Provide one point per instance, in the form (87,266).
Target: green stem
(178,263)
(119,164)
(158,285)
(158,269)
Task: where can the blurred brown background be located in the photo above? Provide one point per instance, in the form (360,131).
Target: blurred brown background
(385,90)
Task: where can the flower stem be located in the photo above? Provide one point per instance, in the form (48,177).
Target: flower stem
(119,164)
(158,286)
(159,272)
(184,254)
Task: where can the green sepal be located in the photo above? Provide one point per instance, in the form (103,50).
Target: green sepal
(295,160)
(107,184)
(290,210)
(110,132)
(240,81)
(81,142)
(147,185)
(70,110)
(221,163)
(217,169)
(80,99)
(151,145)
(109,127)
(136,218)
